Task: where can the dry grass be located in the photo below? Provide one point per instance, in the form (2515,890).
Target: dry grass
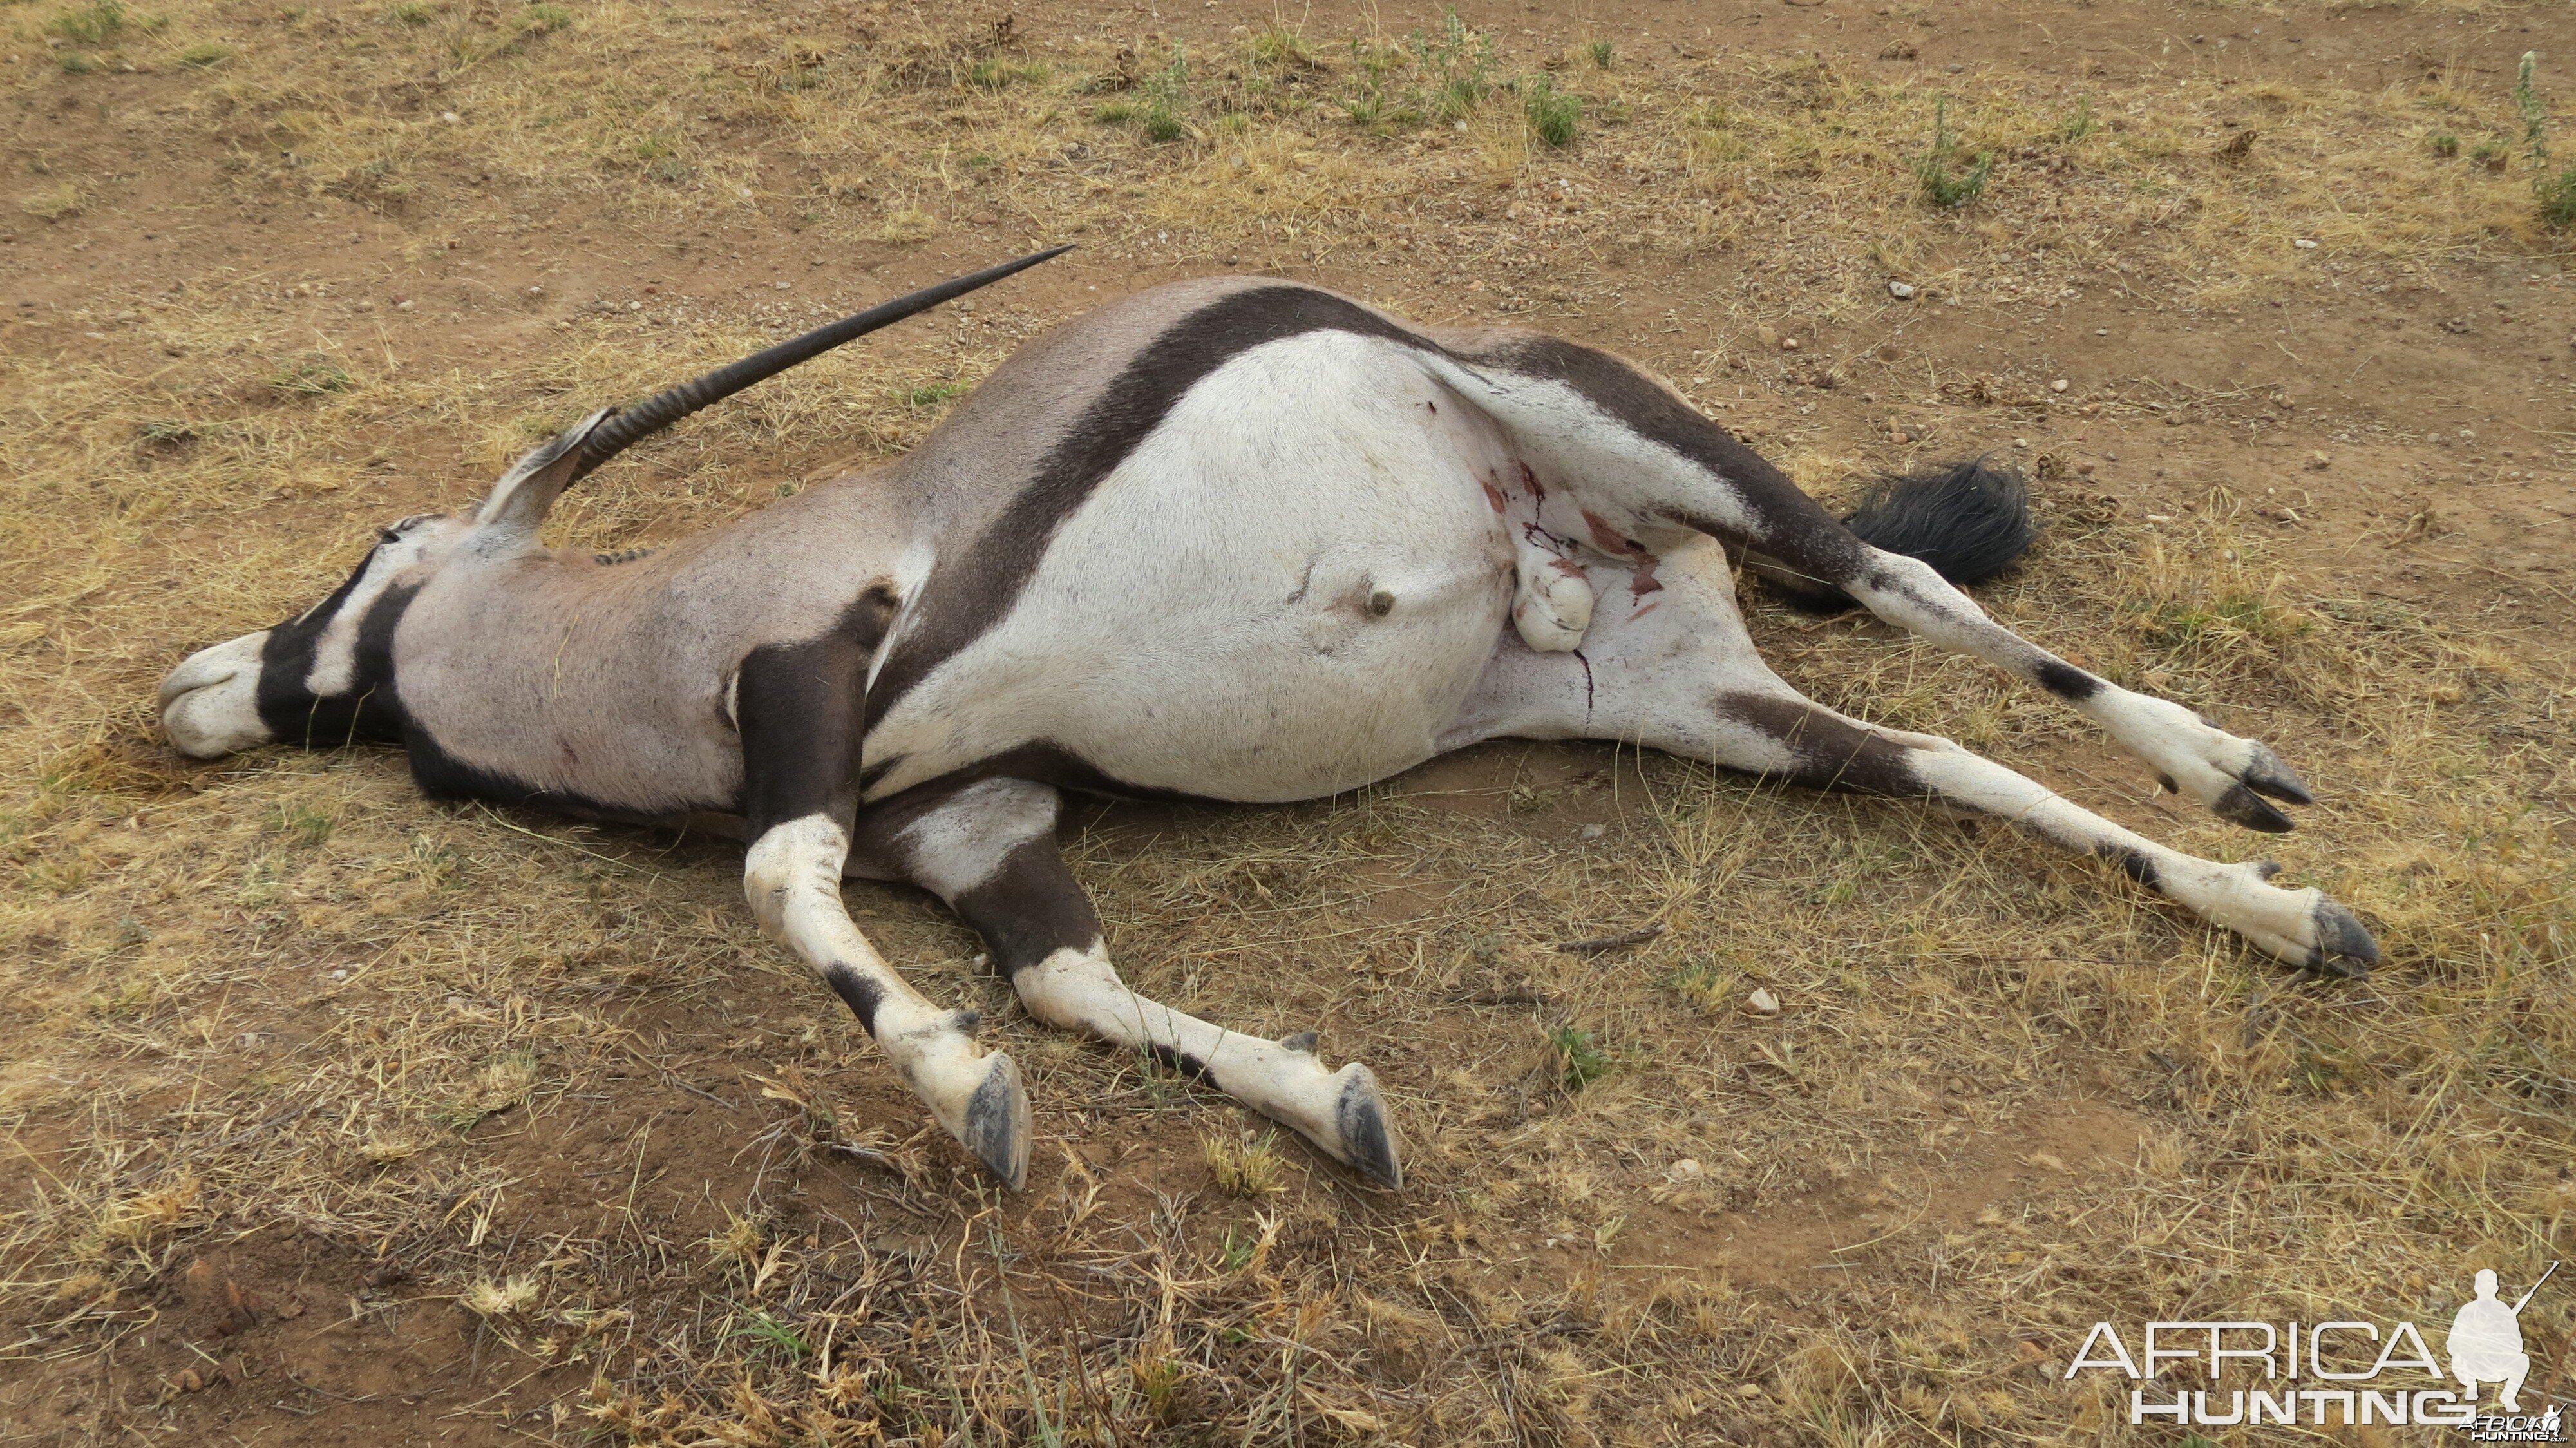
(283,1000)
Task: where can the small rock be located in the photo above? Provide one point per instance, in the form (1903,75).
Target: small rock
(2101,331)
(1594,832)
(402,306)
(2057,386)
(782,286)
(2304,244)
(1762,1002)
(188,1381)
(1788,344)
(450,117)
(536,291)
(1750,1391)
(1902,291)
(2318,461)
(2083,470)
(1685,1169)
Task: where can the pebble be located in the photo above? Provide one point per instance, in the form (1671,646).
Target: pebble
(450,117)
(1788,344)
(2304,244)
(2319,461)
(1762,1002)
(1902,291)
(1685,1169)
(1594,832)
(402,306)
(2057,386)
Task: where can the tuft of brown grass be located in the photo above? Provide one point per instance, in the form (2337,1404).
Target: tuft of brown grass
(1244,1167)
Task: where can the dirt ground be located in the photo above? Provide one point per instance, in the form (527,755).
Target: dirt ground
(335,1116)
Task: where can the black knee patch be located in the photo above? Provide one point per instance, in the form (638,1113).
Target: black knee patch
(2068,682)
(1181,1061)
(859,993)
(2132,864)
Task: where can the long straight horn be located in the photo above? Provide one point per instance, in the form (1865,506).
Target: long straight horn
(508,518)
(630,425)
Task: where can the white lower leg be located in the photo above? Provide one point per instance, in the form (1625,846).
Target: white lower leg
(2188,753)
(2303,927)
(792,877)
(1341,1111)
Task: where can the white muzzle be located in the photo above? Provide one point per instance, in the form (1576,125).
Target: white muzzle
(210,703)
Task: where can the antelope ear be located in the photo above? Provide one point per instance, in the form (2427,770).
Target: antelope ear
(519,501)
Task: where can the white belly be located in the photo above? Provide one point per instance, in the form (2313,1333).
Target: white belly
(1287,590)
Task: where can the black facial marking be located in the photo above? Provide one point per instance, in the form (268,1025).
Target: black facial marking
(857,992)
(977,591)
(2132,864)
(2067,681)
(1827,752)
(797,707)
(368,712)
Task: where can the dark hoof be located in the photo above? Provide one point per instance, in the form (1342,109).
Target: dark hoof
(997,1124)
(2343,947)
(1368,1142)
(2267,775)
(2239,806)
(1303,1043)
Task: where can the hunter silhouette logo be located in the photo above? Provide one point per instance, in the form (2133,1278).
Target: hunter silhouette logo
(2341,1373)
(2486,1341)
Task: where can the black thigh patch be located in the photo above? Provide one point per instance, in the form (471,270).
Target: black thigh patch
(797,709)
(971,594)
(1828,753)
(2068,682)
(1030,908)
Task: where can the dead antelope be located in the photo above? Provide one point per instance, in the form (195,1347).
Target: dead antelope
(1230,539)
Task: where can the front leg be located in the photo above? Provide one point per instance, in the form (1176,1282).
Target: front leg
(989,850)
(798,706)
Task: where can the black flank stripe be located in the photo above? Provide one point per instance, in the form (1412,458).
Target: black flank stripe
(962,602)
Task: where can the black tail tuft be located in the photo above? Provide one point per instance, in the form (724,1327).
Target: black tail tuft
(1969,520)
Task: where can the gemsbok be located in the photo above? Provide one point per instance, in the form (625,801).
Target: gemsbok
(1228,539)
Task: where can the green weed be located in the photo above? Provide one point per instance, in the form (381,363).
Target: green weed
(1552,113)
(1941,186)
(1459,66)
(1600,53)
(93,24)
(308,379)
(1579,1062)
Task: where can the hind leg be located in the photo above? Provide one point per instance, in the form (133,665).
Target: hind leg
(1675,670)
(989,850)
(1653,471)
